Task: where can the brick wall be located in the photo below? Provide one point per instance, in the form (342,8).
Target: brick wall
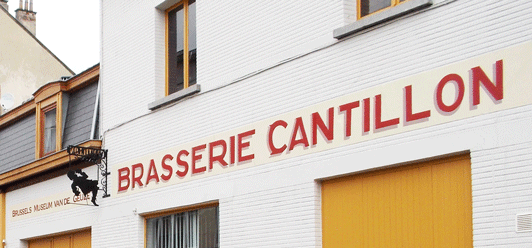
(244,40)
(261,60)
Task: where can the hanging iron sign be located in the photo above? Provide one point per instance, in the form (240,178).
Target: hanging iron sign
(80,181)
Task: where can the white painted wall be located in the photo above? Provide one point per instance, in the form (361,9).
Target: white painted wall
(242,40)
(49,221)
(278,204)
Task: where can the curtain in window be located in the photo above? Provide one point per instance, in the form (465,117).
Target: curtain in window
(193,229)
(49,131)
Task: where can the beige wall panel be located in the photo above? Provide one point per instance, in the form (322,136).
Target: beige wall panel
(25,64)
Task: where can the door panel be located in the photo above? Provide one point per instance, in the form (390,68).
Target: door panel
(61,241)
(81,240)
(421,205)
(40,244)
(71,240)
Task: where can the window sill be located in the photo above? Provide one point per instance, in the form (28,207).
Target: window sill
(174,97)
(381,17)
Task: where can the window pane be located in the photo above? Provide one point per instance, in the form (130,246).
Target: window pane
(49,131)
(208,233)
(193,229)
(192,26)
(370,6)
(175,50)
(192,42)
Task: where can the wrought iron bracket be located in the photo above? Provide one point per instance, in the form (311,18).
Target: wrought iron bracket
(95,156)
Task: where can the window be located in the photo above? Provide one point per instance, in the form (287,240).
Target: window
(49,130)
(374,12)
(49,125)
(191,229)
(181,46)
(367,7)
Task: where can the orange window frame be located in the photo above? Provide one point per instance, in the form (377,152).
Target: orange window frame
(186,67)
(43,126)
(54,102)
(393,3)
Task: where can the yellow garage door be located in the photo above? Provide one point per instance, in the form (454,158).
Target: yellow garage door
(71,240)
(421,205)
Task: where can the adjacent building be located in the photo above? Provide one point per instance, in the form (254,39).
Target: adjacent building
(353,123)
(25,63)
(37,166)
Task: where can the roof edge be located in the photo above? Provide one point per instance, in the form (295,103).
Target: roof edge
(77,81)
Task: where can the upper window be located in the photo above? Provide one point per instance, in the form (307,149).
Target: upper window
(375,12)
(367,7)
(197,228)
(181,46)
(49,130)
(48,125)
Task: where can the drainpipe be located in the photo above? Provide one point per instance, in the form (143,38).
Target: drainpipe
(95,114)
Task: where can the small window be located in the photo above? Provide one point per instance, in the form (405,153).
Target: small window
(49,130)
(370,13)
(367,7)
(197,228)
(48,113)
(181,46)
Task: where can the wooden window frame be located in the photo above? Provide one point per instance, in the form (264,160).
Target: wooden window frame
(54,102)
(359,7)
(186,58)
(44,112)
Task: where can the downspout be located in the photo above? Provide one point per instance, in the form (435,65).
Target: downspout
(65,100)
(93,132)
(3,217)
(95,114)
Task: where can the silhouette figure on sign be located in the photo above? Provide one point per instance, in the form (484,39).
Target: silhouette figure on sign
(79,180)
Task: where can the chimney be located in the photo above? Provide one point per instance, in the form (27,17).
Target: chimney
(26,16)
(3,3)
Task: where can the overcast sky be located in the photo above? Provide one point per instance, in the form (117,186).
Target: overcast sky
(68,28)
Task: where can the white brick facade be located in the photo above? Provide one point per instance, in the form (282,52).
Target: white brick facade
(260,59)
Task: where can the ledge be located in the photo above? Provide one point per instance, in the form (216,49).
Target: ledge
(175,97)
(166,4)
(381,17)
(43,164)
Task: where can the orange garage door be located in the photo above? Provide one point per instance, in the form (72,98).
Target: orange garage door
(72,240)
(421,205)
